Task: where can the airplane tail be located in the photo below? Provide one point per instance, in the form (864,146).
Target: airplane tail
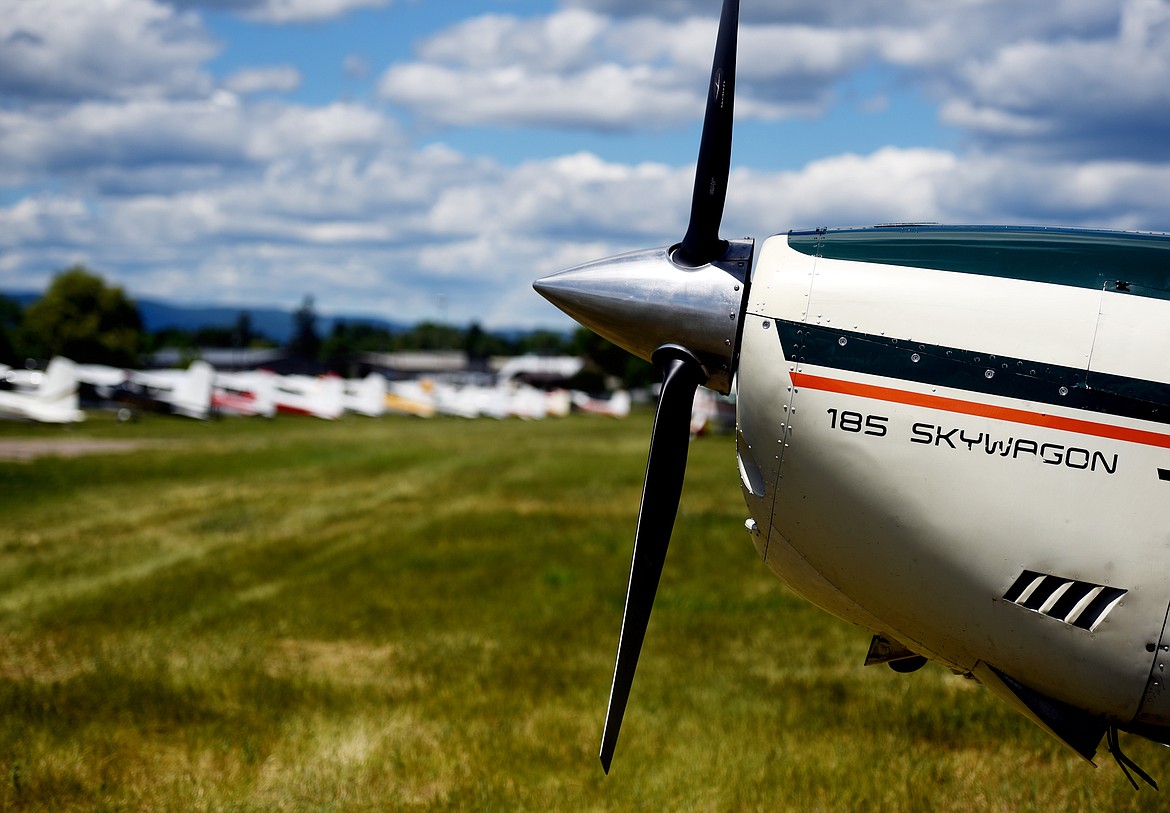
(366,396)
(60,383)
(193,395)
(56,399)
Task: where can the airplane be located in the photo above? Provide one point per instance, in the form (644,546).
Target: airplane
(187,393)
(244,394)
(265,393)
(320,396)
(617,405)
(955,437)
(365,396)
(411,397)
(50,397)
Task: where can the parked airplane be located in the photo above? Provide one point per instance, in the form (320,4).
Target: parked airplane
(175,392)
(957,438)
(244,393)
(365,396)
(320,396)
(412,397)
(617,405)
(48,398)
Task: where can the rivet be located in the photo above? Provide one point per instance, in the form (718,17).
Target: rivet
(767,324)
(1063,390)
(914,357)
(989,373)
(842,341)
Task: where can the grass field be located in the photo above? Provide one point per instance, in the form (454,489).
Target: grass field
(422,615)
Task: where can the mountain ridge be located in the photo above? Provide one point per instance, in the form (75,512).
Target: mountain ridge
(272,323)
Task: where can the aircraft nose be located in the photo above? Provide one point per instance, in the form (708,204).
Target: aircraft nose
(642,300)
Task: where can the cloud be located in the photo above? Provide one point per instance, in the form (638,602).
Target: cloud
(1090,78)
(284,11)
(356,66)
(281,78)
(118,148)
(577,69)
(551,71)
(93,140)
(101,49)
(1104,96)
(389,230)
(605,97)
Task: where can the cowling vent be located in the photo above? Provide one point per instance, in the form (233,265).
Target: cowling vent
(1077,603)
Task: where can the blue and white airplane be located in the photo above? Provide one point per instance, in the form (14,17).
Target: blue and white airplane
(957,438)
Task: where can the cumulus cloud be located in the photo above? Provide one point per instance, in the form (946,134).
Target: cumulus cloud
(280,78)
(605,97)
(1094,97)
(577,69)
(284,11)
(90,140)
(119,149)
(87,49)
(1091,77)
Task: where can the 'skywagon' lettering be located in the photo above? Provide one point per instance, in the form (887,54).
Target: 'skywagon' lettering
(1016,448)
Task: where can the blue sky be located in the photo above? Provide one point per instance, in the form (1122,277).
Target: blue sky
(386,155)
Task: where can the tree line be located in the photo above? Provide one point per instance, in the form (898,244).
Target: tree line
(83,317)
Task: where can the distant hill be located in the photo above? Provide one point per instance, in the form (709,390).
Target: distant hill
(272,323)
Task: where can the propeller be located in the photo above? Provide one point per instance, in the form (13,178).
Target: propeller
(669,443)
(682,374)
(670,306)
(702,243)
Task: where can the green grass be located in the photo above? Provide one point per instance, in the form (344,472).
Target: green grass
(422,615)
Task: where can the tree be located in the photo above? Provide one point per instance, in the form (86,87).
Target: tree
(612,361)
(11,318)
(305,343)
(348,339)
(82,317)
(242,335)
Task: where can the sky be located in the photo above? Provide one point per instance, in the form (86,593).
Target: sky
(427,159)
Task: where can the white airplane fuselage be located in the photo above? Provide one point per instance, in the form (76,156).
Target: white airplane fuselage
(956,437)
(973,462)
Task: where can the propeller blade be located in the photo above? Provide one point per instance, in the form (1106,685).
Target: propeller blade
(669,443)
(702,244)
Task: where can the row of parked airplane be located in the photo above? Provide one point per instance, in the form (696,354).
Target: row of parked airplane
(57,394)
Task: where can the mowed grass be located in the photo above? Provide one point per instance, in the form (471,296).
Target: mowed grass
(400,614)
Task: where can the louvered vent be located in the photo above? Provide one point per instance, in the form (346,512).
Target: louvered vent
(1081,604)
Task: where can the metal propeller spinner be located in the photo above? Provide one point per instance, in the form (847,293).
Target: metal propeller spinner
(680,307)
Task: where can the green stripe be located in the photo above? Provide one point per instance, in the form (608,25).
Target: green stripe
(975,371)
(1129,262)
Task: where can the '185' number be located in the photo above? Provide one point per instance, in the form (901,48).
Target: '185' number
(848,421)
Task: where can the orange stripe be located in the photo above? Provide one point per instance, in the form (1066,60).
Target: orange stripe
(1102,430)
